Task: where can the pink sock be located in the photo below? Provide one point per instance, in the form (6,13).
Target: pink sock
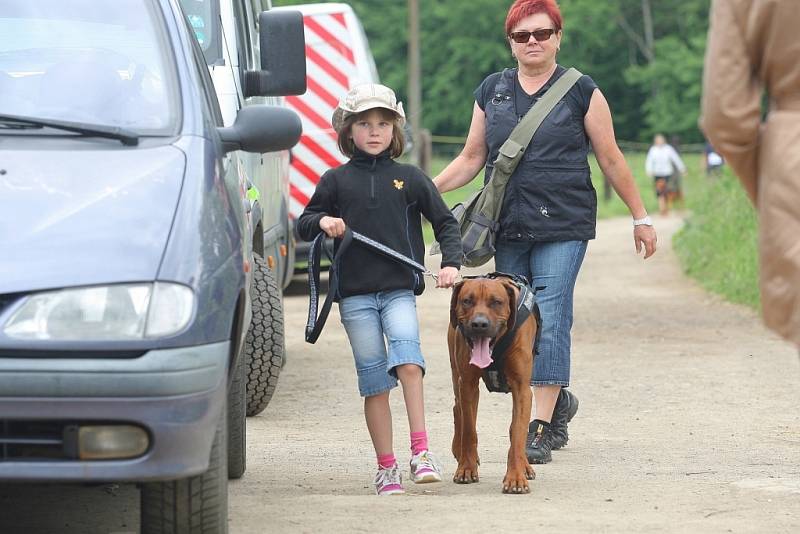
(386,460)
(419,442)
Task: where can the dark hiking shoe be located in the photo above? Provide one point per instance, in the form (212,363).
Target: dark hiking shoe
(537,445)
(565,409)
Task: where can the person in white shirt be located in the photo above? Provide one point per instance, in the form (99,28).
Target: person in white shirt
(660,164)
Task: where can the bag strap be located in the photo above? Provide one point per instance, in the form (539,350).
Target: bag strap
(524,131)
(511,151)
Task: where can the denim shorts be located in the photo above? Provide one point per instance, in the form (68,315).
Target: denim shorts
(554,265)
(384,332)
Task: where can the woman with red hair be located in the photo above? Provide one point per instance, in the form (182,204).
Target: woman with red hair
(549,210)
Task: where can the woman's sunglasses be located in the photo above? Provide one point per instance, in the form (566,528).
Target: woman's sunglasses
(524,36)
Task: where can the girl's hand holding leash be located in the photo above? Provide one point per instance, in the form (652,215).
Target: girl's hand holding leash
(446,277)
(332,226)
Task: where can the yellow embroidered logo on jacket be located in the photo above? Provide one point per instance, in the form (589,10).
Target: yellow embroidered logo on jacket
(398,184)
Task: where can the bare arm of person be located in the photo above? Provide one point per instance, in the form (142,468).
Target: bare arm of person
(600,129)
(472,158)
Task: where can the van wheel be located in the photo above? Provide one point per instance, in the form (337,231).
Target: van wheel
(237,431)
(264,344)
(193,504)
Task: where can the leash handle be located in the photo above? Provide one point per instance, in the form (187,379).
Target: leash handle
(316,322)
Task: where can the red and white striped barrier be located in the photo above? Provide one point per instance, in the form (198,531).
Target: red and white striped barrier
(331,70)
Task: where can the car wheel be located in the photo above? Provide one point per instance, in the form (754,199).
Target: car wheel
(264,344)
(193,504)
(237,431)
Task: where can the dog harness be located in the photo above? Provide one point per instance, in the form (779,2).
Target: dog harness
(494,375)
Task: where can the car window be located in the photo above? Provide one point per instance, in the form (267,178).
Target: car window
(101,63)
(243,35)
(207,84)
(203,17)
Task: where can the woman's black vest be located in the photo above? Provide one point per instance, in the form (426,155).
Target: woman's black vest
(550,196)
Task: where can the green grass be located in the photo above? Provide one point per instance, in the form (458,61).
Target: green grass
(614,207)
(718,244)
(452,198)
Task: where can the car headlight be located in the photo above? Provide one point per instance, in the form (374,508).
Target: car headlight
(109,313)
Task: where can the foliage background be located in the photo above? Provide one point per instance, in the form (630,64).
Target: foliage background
(647,58)
(718,244)
(645,55)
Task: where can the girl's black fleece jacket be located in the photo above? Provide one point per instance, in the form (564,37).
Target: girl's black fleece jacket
(383,200)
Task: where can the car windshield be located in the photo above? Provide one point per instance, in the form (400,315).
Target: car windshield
(84,61)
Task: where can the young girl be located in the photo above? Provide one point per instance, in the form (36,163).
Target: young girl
(383,199)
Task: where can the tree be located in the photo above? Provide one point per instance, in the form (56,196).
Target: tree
(645,56)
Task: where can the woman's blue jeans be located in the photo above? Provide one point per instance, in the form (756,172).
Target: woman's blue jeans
(554,265)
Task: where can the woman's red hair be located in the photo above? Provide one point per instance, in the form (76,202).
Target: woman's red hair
(525,8)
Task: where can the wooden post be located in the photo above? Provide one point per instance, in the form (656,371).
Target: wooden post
(414,112)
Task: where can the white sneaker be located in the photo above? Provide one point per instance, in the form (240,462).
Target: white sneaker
(388,481)
(425,468)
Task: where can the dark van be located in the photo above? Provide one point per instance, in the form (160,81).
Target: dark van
(126,260)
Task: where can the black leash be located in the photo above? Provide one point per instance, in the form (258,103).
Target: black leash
(316,322)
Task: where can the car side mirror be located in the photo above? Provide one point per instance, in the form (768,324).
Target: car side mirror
(262,129)
(283,56)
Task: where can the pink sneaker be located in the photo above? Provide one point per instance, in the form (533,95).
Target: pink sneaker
(425,468)
(388,481)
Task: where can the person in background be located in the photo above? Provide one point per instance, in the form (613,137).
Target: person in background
(711,161)
(661,162)
(753,49)
(549,210)
(675,184)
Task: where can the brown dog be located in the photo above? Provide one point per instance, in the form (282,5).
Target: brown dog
(481,311)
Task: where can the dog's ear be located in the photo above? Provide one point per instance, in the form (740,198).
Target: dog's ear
(454,304)
(511,289)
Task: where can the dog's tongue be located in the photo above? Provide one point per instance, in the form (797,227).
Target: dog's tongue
(481,355)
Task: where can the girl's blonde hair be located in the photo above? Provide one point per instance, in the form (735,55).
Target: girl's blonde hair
(345,139)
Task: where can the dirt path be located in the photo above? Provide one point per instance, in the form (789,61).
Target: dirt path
(688,421)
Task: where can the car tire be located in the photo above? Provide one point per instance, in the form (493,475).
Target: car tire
(193,504)
(237,426)
(264,343)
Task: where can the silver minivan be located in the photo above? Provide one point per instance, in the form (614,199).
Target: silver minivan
(126,253)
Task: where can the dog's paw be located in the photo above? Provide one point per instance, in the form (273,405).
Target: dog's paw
(466,474)
(529,472)
(516,483)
